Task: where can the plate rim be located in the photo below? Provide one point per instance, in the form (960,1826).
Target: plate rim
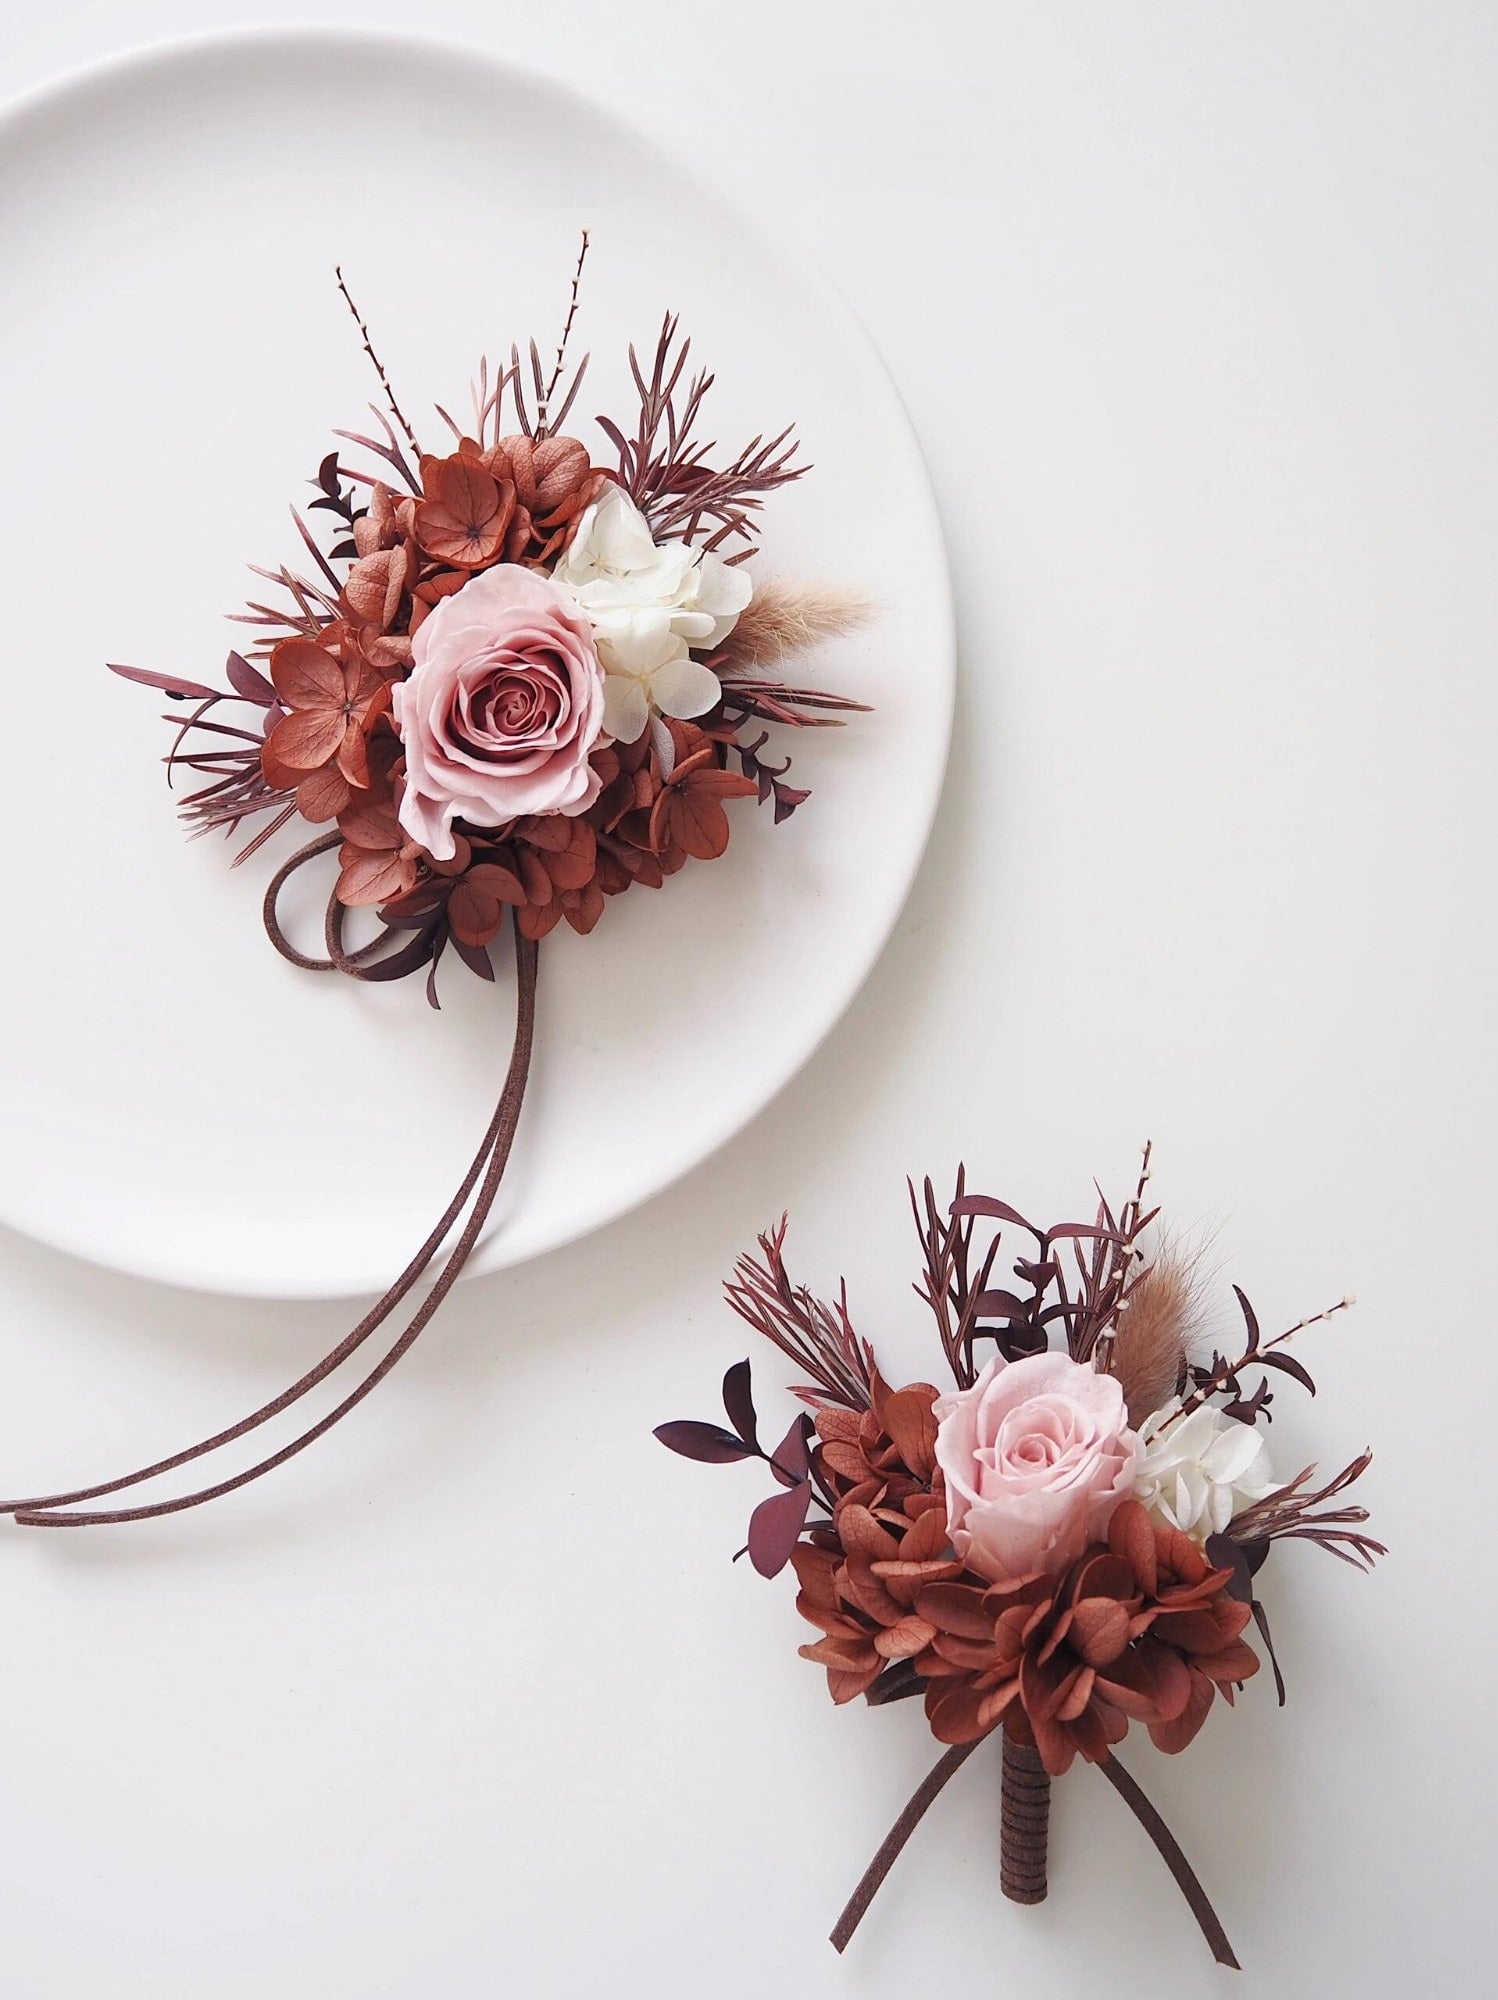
(137,61)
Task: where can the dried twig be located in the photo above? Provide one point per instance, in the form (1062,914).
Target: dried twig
(379,366)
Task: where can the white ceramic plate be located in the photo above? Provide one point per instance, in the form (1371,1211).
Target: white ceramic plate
(178,1102)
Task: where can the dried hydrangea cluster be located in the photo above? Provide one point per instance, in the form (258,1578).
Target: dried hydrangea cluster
(519,680)
(1064,1542)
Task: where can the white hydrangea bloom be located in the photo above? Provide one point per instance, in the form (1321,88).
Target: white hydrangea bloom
(1200,1470)
(649,606)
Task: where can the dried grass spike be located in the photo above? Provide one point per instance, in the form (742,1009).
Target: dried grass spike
(783,619)
(1154,1334)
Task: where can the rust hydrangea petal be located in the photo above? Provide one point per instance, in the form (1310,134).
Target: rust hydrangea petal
(465,517)
(903,1641)
(1151,1682)
(371,823)
(814,1568)
(323,795)
(477,905)
(538,920)
(926,1539)
(1099,1630)
(957,1608)
(366,878)
(306,739)
(1176,1734)
(839,1426)
(1181,1561)
(846,1460)
(699,825)
(304,675)
(845,1687)
(573,868)
(1077,1695)
(1235,1662)
(1054,1741)
(1131,1537)
(908,1418)
(997,1702)
(353,756)
(1189,1631)
(872,1596)
(1043,1685)
(374,586)
(954,1711)
(861,1534)
(971,1655)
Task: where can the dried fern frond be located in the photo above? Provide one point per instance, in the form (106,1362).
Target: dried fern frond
(784,618)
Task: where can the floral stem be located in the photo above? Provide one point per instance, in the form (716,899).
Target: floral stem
(1025,1818)
(1174,1859)
(925,1795)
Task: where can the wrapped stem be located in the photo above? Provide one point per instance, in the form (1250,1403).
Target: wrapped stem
(1025,1811)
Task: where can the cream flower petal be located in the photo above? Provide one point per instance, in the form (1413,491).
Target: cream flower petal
(625,708)
(1197,1471)
(723,590)
(683,687)
(636,641)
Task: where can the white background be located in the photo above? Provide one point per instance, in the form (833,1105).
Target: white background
(1194,310)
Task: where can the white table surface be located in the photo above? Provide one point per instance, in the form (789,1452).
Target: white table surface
(1195,312)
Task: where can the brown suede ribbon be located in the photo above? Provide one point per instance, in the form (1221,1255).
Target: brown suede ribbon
(484,1174)
(1025,1815)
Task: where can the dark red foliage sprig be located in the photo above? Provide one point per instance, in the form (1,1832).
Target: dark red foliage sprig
(665,468)
(776,1524)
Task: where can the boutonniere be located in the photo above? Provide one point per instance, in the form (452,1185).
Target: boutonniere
(1059,1542)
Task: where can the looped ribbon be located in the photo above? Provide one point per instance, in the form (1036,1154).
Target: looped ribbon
(935,1781)
(480,1184)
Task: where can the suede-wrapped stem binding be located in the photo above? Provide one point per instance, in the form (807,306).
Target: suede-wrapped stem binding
(1025,1807)
(480,1185)
(1025,1815)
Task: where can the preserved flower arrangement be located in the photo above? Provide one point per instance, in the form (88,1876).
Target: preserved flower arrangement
(1063,1542)
(523,676)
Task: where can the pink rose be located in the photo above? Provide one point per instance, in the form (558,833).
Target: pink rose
(502,709)
(1036,1456)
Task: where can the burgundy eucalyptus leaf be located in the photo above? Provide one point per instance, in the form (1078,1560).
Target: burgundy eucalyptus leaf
(475,957)
(1290,1366)
(994,1211)
(1000,1305)
(1086,1232)
(1250,1319)
(410,956)
(738,1401)
(1224,1553)
(775,1528)
(789,1461)
(1256,1552)
(1262,1621)
(709,1444)
(249,681)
